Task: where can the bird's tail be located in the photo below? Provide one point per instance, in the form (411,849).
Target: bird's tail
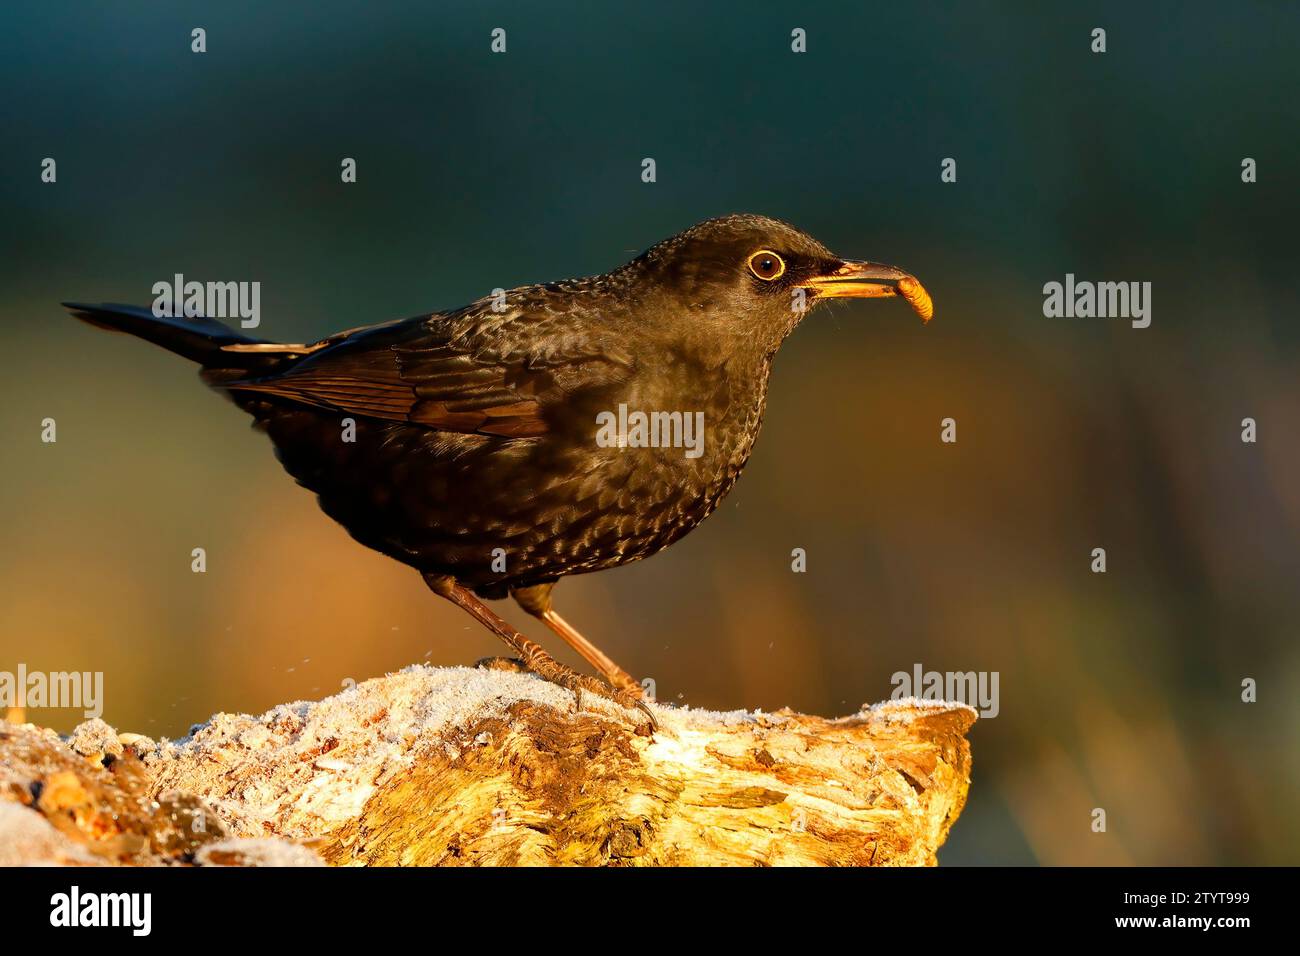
(197,339)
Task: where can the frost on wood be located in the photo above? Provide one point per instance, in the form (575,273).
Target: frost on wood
(461,766)
(89,801)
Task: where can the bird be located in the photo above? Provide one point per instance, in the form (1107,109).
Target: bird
(537,433)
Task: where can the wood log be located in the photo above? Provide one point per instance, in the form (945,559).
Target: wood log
(466,766)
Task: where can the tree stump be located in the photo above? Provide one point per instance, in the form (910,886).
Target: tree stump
(465,767)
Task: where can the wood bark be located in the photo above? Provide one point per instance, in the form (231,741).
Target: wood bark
(462,767)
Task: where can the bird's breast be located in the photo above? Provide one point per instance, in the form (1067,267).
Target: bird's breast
(667,449)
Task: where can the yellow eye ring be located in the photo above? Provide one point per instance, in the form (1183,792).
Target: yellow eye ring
(766,265)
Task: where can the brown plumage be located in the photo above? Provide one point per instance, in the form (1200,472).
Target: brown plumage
(477,456)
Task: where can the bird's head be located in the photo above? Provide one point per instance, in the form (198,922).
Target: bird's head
(757,277)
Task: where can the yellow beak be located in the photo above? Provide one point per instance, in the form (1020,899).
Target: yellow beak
(871,280)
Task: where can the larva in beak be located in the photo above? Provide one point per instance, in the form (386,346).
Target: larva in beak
(916,297)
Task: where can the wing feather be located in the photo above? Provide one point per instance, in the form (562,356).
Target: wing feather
(469,371)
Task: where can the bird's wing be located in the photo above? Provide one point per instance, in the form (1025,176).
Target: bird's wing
(470,371)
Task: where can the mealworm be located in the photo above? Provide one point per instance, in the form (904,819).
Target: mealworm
(916,296)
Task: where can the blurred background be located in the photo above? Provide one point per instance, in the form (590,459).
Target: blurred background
(1119,690)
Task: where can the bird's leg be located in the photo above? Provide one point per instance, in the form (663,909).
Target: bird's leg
(536,600)
(593,655)
(532,654)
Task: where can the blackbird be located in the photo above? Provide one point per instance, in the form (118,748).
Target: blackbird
(551,430)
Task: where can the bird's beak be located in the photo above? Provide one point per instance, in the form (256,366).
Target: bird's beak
(870,280)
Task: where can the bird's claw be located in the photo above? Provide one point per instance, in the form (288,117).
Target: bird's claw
(577,683)
(645,709)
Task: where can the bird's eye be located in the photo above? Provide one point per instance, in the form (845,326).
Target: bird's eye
(767,265)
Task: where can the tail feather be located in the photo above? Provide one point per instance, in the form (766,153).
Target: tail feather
(197,339)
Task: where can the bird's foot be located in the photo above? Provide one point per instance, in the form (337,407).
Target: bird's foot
(572,680)
(566,677)
(534,657)
(628,685)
